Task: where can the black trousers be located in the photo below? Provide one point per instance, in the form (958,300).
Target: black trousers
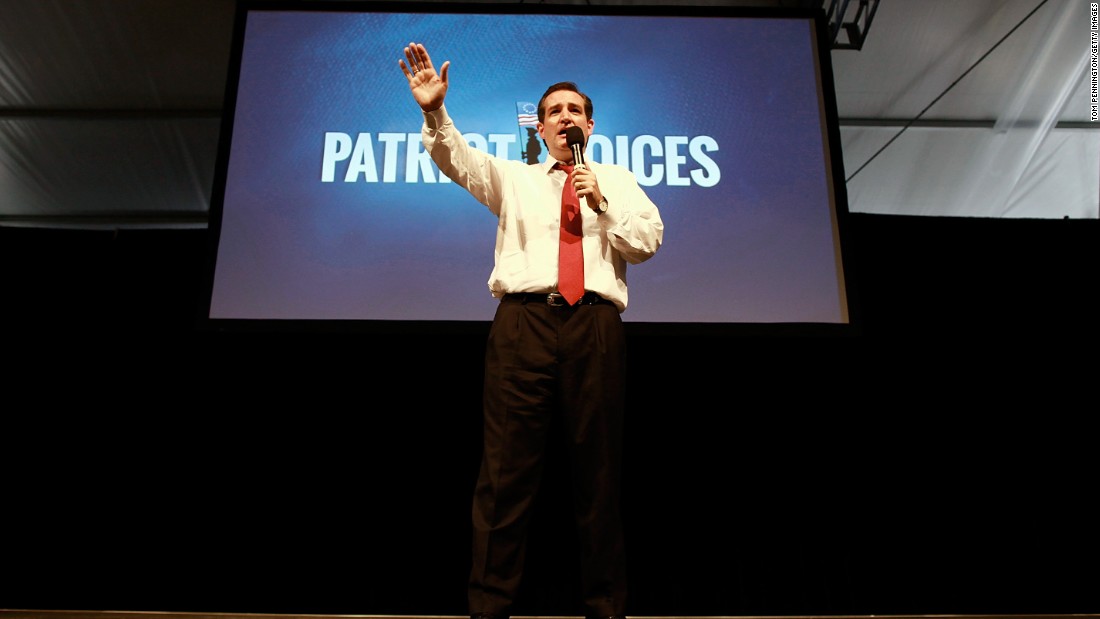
(544,362)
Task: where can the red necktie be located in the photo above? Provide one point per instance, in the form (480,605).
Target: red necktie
(570,256)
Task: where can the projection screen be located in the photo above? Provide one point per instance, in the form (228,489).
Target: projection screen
(327,207)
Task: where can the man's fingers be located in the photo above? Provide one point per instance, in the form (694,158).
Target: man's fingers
(423,60)
(419,60)
(584,181)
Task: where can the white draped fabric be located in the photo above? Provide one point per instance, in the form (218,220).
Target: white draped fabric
(1012,138)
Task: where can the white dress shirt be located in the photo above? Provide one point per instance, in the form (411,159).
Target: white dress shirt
(527,202)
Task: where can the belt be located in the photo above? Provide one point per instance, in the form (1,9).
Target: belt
(554,299)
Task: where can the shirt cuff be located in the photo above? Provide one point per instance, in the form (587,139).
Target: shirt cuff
(436,118)
(610,217)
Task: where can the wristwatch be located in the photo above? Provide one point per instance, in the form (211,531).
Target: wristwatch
(601,208)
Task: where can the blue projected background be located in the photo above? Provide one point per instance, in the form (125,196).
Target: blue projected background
(332,210)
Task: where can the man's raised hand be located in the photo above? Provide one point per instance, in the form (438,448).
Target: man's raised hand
(428,87)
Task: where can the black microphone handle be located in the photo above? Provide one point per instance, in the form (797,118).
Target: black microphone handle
(578,154)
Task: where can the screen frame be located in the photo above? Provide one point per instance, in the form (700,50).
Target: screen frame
(831,141)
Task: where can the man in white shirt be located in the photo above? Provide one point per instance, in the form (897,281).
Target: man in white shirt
(566,231)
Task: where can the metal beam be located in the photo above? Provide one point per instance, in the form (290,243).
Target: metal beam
(855,29)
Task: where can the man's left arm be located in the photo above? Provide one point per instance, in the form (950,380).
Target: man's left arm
(632,222)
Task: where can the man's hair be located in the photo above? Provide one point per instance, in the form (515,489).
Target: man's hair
(564,86)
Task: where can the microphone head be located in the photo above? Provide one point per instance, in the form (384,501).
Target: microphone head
(574,136)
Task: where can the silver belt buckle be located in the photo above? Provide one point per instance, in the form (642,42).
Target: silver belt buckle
(555,299)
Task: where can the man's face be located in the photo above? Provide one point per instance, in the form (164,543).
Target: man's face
(564,109)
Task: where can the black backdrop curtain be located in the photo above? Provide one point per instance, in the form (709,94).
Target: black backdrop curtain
(937,462)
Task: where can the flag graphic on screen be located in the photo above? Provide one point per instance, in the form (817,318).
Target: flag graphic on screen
(528,119)
(527,114)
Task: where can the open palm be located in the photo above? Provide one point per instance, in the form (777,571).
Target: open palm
(428,87)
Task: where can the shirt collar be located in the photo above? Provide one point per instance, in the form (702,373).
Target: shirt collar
(548,165)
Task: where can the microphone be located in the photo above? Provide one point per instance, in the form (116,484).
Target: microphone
(574,137)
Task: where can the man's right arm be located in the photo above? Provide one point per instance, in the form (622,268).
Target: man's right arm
(479,173)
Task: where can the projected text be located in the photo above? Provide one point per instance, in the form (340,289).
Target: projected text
(674,160)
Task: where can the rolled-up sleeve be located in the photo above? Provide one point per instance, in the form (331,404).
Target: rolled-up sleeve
(632,222)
